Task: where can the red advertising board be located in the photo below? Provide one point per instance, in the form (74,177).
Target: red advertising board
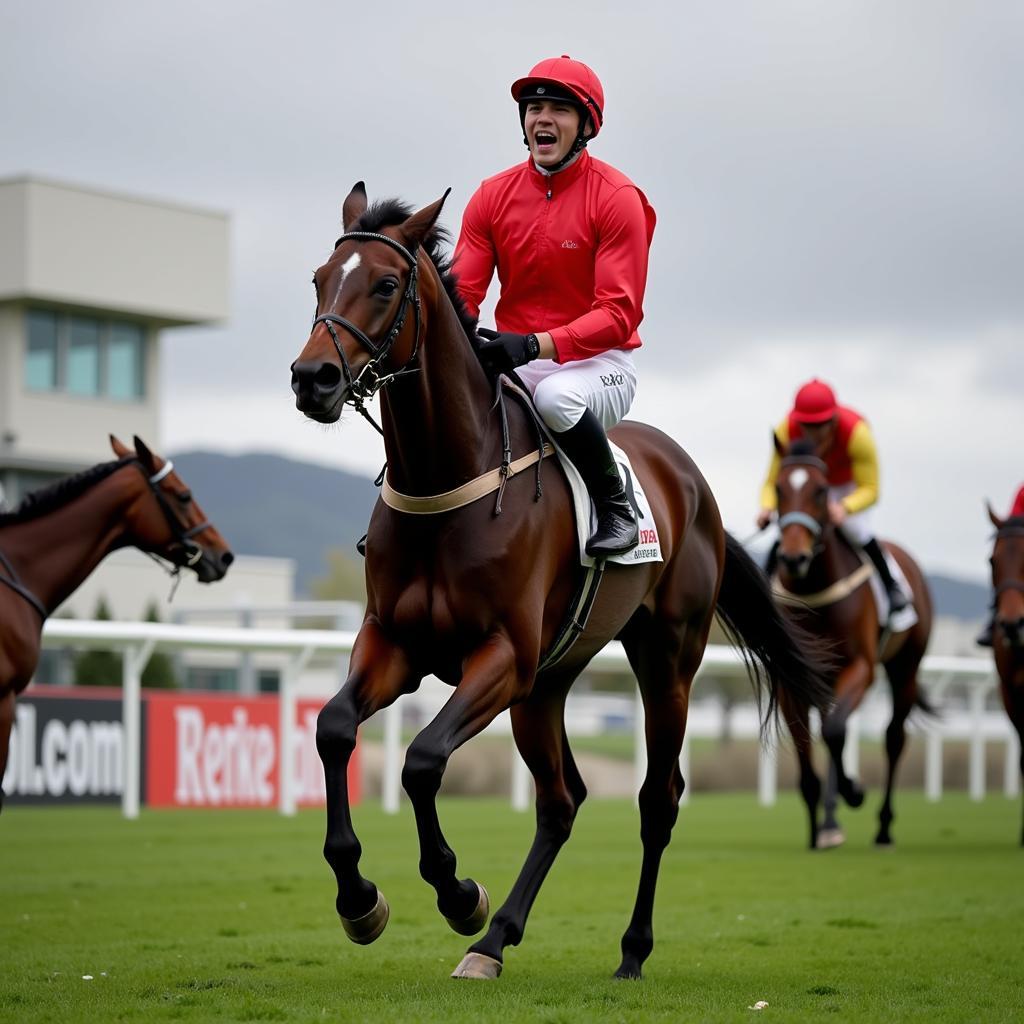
(213,750)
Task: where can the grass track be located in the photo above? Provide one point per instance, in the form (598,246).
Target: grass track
(206,916)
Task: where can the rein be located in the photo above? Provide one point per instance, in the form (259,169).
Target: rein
(838,591)
(358,390)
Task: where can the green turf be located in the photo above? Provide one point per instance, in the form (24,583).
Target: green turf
(229,916)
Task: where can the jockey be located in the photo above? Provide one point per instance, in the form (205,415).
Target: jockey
(569,236)
(843,441)
(985,637)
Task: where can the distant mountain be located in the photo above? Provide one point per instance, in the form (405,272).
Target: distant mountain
(269,505)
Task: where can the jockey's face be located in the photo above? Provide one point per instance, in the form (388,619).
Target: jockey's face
(550,127)
(821,435)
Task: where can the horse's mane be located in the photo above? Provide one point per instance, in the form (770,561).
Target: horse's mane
(57,495)
(389,212)
(801,446)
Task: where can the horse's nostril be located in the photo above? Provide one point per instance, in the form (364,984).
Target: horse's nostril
(327,376)
(226,559)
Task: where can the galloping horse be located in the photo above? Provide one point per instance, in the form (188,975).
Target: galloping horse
(823,585)
(1008,636)
(57,536)
(478,598)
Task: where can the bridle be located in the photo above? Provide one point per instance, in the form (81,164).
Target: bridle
(1003,533)
(192,553)
(362,387)
(798,517)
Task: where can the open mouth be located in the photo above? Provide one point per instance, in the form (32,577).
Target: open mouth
(544,140)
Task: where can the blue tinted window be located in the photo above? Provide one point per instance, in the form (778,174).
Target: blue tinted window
(125,369)
(41,351)
(83,365)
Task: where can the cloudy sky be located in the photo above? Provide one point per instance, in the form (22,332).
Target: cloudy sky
(838,187)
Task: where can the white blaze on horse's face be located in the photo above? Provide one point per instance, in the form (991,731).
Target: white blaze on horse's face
(798,478)
(348,266)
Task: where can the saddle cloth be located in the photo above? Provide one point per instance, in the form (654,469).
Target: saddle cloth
(901,620)
(649,548)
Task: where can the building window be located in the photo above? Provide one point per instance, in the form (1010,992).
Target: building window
(85,356)
(41,358)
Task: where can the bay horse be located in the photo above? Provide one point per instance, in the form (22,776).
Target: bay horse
(477,598)
(823,584)
(1008,635)
(55,538)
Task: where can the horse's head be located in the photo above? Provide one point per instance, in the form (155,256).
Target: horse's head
(362,332)
(1008,577)
(801,490)
(167,521)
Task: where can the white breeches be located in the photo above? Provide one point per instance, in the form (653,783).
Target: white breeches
(562,392)
(858,526)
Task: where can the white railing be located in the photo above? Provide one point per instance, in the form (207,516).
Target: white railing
(138,640)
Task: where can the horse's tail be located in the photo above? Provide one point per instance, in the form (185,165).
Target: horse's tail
(778,653)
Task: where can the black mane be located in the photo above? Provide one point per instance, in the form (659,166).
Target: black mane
(801,446)
(389,212)
(57,495)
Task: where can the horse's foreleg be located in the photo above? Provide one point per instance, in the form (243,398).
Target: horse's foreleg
(6,721)
(852,684)
(902,672)
(379,673)
(539,731)
(798,720)
(489,685)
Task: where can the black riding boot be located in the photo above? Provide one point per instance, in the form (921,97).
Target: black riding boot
(586,444)
(897,600)
(986,638)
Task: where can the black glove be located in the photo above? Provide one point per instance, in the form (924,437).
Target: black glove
(501,352)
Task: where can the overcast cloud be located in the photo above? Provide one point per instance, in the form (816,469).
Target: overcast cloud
(838,188)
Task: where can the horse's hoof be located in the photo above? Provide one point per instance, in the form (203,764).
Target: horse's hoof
(367,928)
(472,924)
(628,972)
(852,794)
(478,965)
(830,838)
(883,842)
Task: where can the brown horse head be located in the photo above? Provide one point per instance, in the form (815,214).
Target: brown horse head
(1008,577)
(167,521)
(368,312)
(801,490)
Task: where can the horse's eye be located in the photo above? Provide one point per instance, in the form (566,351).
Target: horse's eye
(184,497)
(387,287)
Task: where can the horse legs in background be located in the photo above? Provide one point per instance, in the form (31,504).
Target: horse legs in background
(489,685)
(379,674)
(902,673)
(831,834)
(6,721)
(854,679)
(665,656)
(798,720)
(539,729)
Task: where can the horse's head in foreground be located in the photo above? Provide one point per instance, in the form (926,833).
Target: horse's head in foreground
(1007,563)
(801,491)
(166,520)
(369,318)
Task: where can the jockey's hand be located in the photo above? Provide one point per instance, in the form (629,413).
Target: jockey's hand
(502,352)
(764,517)
(837,512)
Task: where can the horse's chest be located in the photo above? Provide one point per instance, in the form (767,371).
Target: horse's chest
(441,609)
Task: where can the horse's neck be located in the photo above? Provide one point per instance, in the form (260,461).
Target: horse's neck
(54,554)
(833,562)
(437,423)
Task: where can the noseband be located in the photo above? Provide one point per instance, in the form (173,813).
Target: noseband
(362,387)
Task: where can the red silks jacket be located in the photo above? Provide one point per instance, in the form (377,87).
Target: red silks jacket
(570,250)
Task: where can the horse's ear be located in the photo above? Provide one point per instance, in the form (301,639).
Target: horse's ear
(996,521)
(418,226)
(354,206)
(779,446)
(146,457)
(120,450)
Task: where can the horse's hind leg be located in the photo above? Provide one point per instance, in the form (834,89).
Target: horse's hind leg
(851,686)
(902,672)
(539,731)
(665,658)
(798,720)
(6,721)
(379,674)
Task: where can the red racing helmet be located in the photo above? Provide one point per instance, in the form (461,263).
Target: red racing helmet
(815,402)
(565,79)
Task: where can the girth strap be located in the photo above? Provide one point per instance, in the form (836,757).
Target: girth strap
(11,579)
(830,595)
(481,486)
